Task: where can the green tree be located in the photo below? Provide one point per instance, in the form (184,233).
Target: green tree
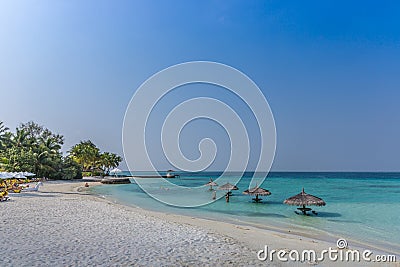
(16,159)
(70,169)
(36,149)
(20,139)
(86,154)
(109,160)
(3,135)
(46,148)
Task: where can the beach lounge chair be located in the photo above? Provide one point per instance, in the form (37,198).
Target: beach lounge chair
(3,196)
(32,189)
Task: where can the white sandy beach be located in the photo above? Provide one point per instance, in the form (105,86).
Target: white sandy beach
(60,226)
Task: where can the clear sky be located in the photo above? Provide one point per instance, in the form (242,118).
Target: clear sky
(329,69)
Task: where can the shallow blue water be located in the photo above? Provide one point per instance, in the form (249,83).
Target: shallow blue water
(360,206)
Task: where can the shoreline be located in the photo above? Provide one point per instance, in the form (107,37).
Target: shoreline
(256,236)
(248,238)
(236,228)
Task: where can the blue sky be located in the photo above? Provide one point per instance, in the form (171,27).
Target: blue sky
(329,69)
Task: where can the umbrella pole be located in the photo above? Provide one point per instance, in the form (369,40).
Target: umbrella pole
(304,210)
(227,197)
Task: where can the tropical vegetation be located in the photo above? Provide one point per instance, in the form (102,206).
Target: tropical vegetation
(91,160)
(34,148)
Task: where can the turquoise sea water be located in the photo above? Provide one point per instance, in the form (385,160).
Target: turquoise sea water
(364,207)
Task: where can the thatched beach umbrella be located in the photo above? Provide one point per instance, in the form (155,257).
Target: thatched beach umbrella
(257,191)
(211,183)
(229,187)
(303,199)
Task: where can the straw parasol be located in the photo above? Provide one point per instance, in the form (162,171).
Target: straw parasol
(303,199)
(229,187)
(257,191)
(211,183)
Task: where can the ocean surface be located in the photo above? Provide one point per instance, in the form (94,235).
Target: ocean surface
(361,207)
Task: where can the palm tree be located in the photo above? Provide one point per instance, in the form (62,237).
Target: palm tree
(20,139)
(36,149)
(86,154)
(51,145)
(3,134)
(109,160)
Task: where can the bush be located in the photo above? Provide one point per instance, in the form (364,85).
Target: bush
(86,174)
